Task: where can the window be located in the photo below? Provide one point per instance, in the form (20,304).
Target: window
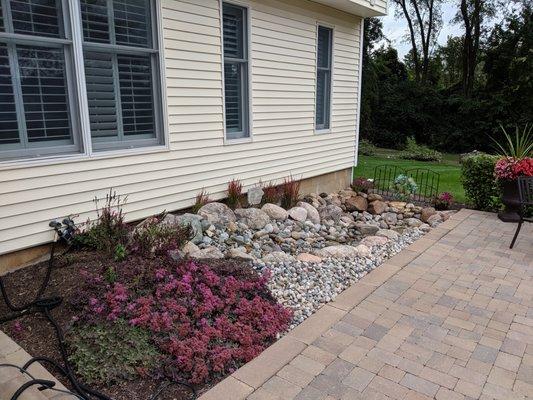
(235,39)
(120,57)
(40,112)
(36,113)
(323,78)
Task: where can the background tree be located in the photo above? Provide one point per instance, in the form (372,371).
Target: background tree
(424,20)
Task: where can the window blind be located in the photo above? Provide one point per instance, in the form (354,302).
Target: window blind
(235,71)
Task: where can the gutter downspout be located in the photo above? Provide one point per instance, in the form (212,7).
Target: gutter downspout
(358,124)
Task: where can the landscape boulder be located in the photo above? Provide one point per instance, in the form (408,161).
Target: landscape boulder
(217,213)
(310,258)
(366,229)
(371,241)
(426,213)
(331,211)
(208,252)
(377,207)
(312,212)
(193,221)
(356,203)
(254,218)
(275,212)
(298,214)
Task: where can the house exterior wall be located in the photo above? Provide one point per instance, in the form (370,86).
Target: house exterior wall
(282,54)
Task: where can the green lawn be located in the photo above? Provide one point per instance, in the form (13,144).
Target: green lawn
(449,169)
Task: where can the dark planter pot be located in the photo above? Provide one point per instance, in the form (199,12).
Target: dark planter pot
(511,200)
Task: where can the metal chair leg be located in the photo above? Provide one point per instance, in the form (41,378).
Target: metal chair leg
(516,233)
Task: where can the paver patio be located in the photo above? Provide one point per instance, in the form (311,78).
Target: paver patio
(450,317)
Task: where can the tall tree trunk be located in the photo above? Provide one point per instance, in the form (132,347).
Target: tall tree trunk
(416,59)
(472,24)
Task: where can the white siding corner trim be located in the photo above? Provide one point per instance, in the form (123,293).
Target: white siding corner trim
(282,63)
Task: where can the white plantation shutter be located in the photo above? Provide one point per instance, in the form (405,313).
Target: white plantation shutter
(235,71)
(120,55)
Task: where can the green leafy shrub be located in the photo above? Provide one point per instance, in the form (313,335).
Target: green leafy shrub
(479,182)
(108,232)
(367,148)
(158,237)
(419,152)
(105,353)
(403,187)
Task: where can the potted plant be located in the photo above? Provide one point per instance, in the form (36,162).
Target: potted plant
(515,161)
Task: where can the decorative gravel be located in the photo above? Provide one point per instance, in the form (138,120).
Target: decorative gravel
(305,287)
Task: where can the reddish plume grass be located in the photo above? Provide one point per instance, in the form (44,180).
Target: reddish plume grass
(234,193)
(290,191)
(270,193)
(202,198)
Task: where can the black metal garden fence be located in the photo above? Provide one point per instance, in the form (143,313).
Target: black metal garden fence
(427,182)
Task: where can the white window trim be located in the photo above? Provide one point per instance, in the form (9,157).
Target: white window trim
(332,27)
(249,138)
(86,152)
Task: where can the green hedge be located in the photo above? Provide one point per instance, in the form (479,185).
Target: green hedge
(477,176)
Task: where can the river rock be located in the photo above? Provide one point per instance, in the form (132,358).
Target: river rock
(189,248)
(312,212)
(217,213)
(277,257)
(208,252)
(389,234)
(275,212)
(240,255)
(252,217)
(374,196)
(371,241)
(413,222)
(363,251)
(366,229)
(338,251)
(255,195)
(377,207)
(356,203)
(434,220)
(307,257)
(390,218)
(193,221)
(298,214)
(331,211)
(426,213)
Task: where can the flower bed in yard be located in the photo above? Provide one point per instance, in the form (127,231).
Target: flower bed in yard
(131,325)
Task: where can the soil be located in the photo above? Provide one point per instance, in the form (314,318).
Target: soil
(38,338)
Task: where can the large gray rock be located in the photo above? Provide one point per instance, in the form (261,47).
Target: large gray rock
(253,217)
(331,212)
(434,220)
(356,203)
(298,214)
(217,213)
(413,222)
(374,196)
(366,229)
(255,195)
(312,212)
(338,251)
(371,241)
(208,252)
(278,256)
(390,218)
(275,212)
(389,234)
(240,255)
(193,221)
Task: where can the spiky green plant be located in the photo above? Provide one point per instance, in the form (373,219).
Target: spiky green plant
(517,146)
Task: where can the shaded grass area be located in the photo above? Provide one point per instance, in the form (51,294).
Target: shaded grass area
(449,169)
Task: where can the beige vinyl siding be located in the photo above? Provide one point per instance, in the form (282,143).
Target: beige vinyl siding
(283,63)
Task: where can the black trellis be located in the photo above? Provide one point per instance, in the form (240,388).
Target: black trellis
(426,180)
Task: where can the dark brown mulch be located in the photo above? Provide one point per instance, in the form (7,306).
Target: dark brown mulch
(37,336)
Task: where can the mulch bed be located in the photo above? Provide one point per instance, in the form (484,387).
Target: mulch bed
(37,336)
